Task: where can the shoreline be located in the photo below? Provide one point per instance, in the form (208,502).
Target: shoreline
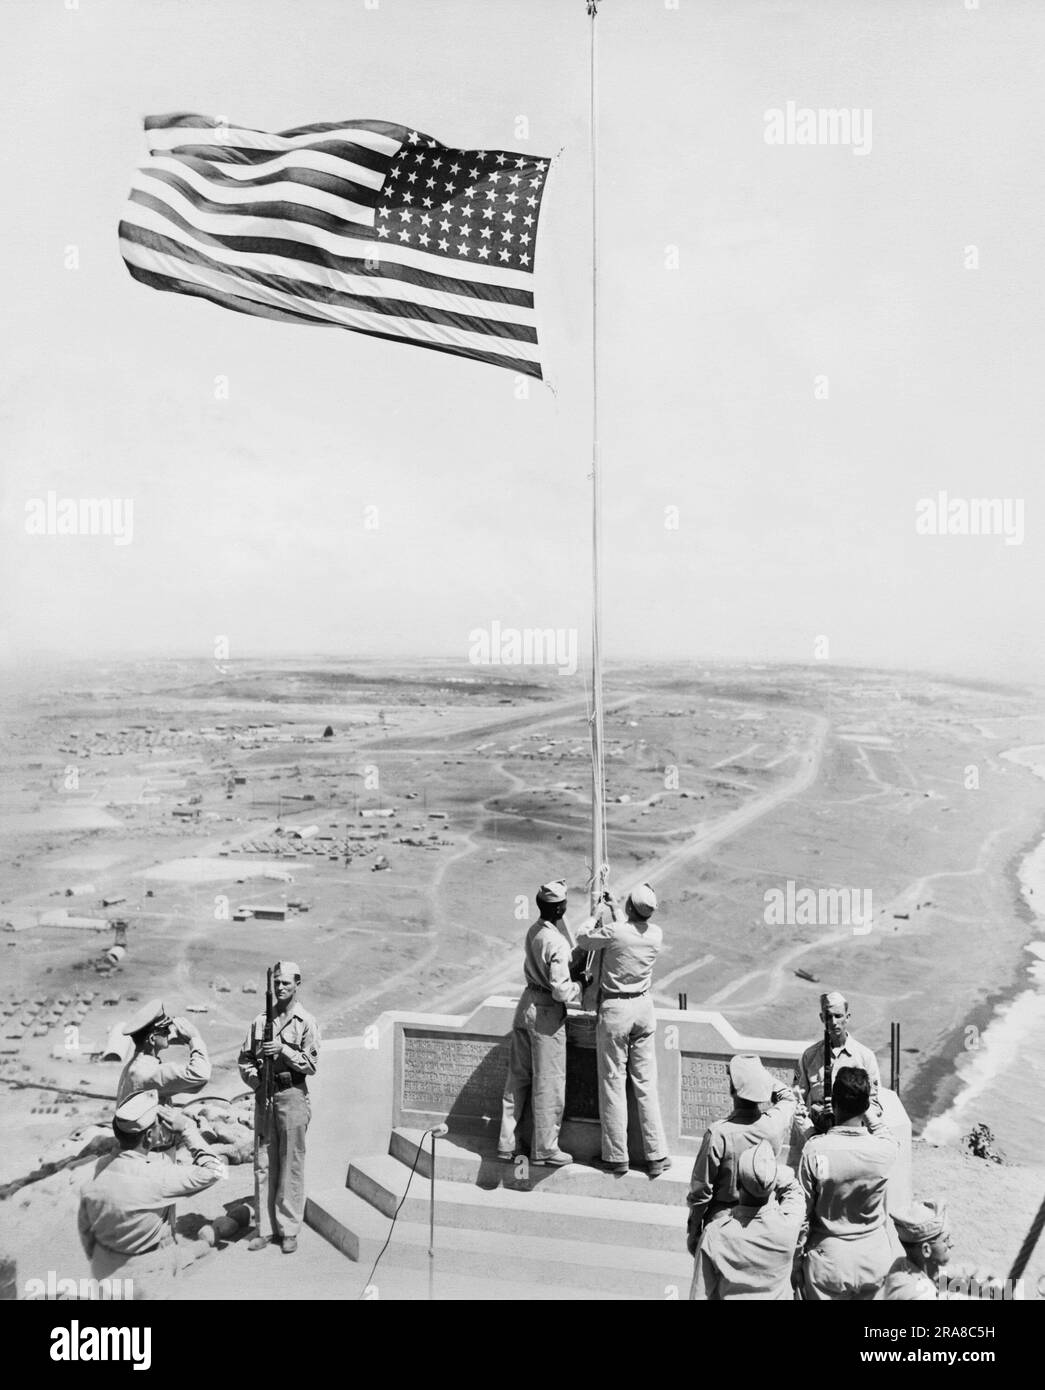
(939,1083)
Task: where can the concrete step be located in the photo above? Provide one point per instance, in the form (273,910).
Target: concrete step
(582,1269)
(469,1159)
(381,1180)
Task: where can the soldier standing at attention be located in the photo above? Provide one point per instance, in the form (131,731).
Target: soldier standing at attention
(537,1052)
(126,1215)
(626,1033)
(844,1174)
(152,1029)
(279,1153)
(845,1052)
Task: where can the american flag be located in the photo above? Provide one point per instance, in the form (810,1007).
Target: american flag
(363,225)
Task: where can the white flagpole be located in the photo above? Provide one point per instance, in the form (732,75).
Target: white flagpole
(598,779)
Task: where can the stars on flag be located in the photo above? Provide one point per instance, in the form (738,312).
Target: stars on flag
(472,182)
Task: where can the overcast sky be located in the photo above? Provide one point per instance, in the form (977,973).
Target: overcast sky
(796,515)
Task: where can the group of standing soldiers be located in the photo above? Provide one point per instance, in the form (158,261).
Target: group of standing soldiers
(627,943)
(126,1216)
(756,1228)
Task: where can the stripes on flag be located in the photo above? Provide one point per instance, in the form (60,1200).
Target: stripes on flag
(362,225)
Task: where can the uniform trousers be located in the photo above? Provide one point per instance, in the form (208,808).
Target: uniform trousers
(536,1073)
(150,1273)
(279,1163)
(626,1050)
(849,1268)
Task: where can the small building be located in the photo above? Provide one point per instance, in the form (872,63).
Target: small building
(303,832)
(268,914)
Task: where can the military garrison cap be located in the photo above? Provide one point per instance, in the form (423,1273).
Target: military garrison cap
(834,1000)
(643,900)
(751,1081)
(920,1221)
(757,1169)
(152,1012)
(288,969)
(554,892)
(138,1112)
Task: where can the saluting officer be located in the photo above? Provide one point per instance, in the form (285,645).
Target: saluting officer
(279,1150)
(714,1187)
(152,1029)
(537,1052)
(126,1216)
(844,1174)
(626,1032)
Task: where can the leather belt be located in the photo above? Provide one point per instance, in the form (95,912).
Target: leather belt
(616,994)
(283,1080)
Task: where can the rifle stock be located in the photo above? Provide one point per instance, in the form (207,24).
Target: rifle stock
(267,1075)
(827,1117)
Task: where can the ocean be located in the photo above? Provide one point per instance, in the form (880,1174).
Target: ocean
(1003,1073)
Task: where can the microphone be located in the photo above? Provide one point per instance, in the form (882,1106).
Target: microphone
(439,1131)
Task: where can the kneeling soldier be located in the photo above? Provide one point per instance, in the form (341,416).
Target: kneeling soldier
(126,1217)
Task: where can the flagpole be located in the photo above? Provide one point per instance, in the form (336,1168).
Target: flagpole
(598,780)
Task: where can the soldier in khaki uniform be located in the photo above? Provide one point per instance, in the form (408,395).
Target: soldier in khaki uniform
(537,1051)
(279,1148)
(926,1239)
(748,1254)
(126,1214)
(714,1189)
(844,1174)
(845,1052)
(919,1275)
(153,1029)
(626,1033)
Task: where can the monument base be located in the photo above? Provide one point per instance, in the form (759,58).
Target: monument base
(519,1227)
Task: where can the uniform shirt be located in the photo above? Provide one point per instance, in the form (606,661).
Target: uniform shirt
(714,1177)
(844,1175)
(906,1282)
(809,1075)
(749,1254)
(147,1073)
(629,950)
(546,962)
(129,1205)
(297,1030)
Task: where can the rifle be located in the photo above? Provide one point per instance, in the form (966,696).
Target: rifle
(827,1118)
(267,1071)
